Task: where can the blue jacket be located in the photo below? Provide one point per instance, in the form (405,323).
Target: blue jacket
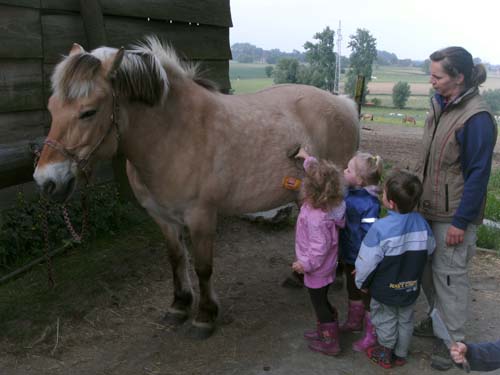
(362,209)
(484,356)
(392,258)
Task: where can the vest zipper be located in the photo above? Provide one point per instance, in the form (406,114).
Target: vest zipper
(446,203)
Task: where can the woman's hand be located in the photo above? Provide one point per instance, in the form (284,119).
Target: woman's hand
(458,351)
(454,236)
(297,267)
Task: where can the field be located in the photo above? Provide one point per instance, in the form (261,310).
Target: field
(247,78)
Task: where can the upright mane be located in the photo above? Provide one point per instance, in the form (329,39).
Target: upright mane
(143,76)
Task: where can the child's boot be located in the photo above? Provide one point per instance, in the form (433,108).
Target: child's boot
(370,337)
(354,322)
(380,355)
(312,334)
(328,342)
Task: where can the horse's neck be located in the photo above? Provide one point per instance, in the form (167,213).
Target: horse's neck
(162,126)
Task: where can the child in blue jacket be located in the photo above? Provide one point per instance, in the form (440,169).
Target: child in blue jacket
(362,177)
(390,265)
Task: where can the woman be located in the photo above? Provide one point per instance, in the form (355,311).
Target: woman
(459,137)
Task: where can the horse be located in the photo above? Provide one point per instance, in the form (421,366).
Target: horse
(409,119)
(366,116)
(192,152)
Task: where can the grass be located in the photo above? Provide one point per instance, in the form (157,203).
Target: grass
(94,274)
(250,85)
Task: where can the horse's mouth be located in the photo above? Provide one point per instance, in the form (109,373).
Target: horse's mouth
(63,193)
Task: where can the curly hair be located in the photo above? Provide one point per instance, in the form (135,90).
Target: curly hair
(323,185)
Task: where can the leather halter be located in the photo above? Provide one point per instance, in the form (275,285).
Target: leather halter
(83,163)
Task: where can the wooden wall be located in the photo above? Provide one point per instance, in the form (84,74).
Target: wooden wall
(36,33)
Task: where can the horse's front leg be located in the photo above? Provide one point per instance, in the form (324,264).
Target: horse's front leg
(202,224)
(179,310)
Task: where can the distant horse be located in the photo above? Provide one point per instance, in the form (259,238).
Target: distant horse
(191,151)
(409,119)
(366,116)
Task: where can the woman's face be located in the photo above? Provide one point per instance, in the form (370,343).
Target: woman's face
(444,84)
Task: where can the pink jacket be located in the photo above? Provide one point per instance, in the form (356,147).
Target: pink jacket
(317,240)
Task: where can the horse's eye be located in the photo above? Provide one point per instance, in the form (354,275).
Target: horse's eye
(87,114)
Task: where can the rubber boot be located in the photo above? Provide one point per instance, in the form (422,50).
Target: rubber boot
(355,314)
(370,337)
(312,334)
(328,343)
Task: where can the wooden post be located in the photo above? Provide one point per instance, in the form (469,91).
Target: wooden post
(358,94)
(93,22)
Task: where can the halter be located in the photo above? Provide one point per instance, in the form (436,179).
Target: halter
(83,163)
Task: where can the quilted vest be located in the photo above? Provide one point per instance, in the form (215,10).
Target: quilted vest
(443,180)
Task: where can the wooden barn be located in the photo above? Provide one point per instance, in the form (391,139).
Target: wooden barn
(36,33)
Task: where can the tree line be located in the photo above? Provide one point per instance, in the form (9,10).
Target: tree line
(317,66)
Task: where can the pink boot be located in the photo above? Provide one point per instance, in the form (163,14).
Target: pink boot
(328,343)
(312,334)
(354,322)
(370,337)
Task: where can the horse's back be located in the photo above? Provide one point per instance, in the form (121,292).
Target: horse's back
(330,122)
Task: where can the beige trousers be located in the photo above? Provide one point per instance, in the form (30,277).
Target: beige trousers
(446,281)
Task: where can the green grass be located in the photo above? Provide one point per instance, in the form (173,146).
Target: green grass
(245,71)
(395,74)
(417,102)
(245,86)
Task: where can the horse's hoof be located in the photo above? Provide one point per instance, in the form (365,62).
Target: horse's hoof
(175,317)
(201,331)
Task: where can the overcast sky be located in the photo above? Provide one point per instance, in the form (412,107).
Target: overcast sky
(408,28)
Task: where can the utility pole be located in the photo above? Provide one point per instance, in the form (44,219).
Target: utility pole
(337,67)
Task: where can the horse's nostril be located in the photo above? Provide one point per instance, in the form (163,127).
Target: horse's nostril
(49,187)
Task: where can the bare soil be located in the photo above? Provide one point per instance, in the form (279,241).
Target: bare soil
(261,323)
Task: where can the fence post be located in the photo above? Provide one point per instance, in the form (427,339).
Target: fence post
(358,93)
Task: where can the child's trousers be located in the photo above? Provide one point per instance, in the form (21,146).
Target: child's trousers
(394,326)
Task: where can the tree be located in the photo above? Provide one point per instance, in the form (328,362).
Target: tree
(426,67)
(269,71)
(286,71)
(364,53)
(400,94)
(492,97)
(321,58)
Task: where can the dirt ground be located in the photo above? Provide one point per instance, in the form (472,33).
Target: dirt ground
(261,323)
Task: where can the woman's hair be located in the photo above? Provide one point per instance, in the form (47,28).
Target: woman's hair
(369,168)
(404,189)
(456,60)
(323,185)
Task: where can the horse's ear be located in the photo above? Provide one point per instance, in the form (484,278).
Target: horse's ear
(76,49)
(111,65)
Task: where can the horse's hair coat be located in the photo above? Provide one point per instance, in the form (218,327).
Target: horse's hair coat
(192,153)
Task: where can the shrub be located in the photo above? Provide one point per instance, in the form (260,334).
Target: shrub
(400,94)
(21,235)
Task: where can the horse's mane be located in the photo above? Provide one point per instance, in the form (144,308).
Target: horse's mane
(144,74)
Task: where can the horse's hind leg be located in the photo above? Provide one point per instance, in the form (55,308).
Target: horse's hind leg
(202,225)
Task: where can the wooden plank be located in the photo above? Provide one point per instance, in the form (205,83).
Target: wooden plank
(216,71)
(23,126)
(207,12)
(16,163)
(20,36)
(22,3)
(20,85)
(59,34)
(193,42)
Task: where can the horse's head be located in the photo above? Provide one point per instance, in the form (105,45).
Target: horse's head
(84,124)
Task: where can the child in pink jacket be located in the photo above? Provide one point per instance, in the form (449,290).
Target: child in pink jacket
(316,245)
